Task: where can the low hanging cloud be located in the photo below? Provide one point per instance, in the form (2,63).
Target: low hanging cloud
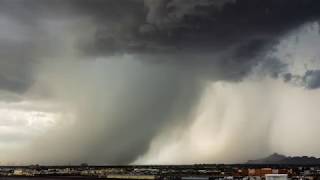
(136,81)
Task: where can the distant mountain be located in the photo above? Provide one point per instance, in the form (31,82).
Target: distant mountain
(282,159)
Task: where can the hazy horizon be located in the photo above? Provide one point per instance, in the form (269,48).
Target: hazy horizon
(158,81)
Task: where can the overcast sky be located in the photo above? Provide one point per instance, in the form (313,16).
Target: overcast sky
(158,81)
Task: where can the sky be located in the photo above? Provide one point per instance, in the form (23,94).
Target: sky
(158,81)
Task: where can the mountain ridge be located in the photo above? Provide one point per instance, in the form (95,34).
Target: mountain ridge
(276,158)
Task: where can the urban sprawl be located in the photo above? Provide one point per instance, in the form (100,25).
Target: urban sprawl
(184,172)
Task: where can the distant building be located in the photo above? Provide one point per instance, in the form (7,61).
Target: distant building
(147,177)
(275,171)
(276,176)
(18,172)
(253,172)
(265,171)
(194,178)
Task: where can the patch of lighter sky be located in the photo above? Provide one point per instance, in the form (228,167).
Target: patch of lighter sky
(21,123)
(300,49)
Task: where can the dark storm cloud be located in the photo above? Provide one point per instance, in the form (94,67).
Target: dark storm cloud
(121,112)
(15,66)
(241,29)
(205,26)
(19,35)
(25,38)
(16,53)
(237,33)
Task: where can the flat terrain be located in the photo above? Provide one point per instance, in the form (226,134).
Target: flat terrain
(43,178)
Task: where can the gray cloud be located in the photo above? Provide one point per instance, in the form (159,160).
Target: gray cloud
(236,33)
(210,26)
(312,79)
